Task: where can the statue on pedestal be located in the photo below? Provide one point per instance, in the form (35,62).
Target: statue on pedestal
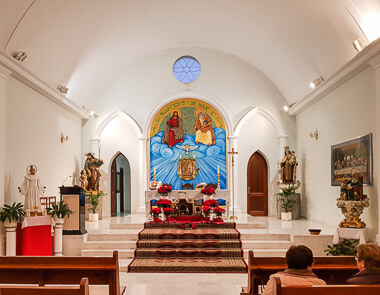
(32,189)
(288,172)
(92,173)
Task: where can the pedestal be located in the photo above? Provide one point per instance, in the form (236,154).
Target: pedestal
(10,240)
(58,237)
(351,233)
(296,210)
(75,197)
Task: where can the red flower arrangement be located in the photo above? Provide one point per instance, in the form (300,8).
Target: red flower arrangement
(168,211)
(164,190)
(155,212)
(206,210)
(186,225)
(219,211)
(164,203)
(208,191)
(211,203)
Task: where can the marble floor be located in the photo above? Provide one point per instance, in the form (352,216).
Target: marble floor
(198,283)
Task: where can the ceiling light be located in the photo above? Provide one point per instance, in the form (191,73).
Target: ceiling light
(359,45)
(20,55)
(63,89)
(287,107)
(316,82)
(92,113)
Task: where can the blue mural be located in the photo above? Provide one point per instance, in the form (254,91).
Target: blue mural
(207,158)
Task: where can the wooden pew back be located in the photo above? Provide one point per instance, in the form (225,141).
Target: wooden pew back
(82,289)
(326,290)
(61,270)
(333,270)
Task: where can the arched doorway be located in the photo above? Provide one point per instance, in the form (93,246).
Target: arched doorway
(120,186)
(257,185)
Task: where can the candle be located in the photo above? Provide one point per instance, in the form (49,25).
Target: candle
(218,169)
(194,156)
(154,170)
(180,156)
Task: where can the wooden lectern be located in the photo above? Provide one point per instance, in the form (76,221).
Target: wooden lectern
(75,197)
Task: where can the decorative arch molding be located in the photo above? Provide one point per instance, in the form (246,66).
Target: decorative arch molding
(267,115)
(187,94)
(117,114)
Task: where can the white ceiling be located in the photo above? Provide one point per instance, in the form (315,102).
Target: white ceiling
(82,43)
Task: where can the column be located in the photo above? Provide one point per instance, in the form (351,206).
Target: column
(375,63)
(58,239)
(144,169)
(10,236)
(4,73)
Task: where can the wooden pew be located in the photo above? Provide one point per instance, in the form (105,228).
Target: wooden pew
(333,270)
(61,270)
(82,289)
(327,290)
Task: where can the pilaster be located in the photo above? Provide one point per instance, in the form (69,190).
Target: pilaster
(144,170)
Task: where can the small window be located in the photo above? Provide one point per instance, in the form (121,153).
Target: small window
(186,69)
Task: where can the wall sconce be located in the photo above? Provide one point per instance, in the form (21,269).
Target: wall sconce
(90,112)
(316,82)
(19,55)
(63,138)
(63,89)
(359,45)
(315,134)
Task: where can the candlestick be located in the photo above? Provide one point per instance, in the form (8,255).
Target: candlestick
(218,181)
(233,153)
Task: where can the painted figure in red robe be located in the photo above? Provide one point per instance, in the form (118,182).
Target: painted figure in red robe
(174,131)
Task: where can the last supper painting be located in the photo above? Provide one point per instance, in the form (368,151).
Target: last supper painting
(188,145)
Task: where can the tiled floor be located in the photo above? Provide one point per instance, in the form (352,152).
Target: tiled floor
(193,283)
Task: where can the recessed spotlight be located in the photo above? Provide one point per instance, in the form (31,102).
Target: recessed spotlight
(63,89)
(316,82)
(92,113)
(359,45)
(287,107)
(20,55)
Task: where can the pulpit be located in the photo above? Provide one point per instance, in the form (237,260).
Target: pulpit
(75,197)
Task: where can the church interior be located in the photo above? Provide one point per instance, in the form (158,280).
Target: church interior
(174,147)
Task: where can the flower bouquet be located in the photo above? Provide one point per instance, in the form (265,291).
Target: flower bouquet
(208,191)
(219,212)
(164,190)
(211,203)
(164,203)
(155,212)
(187,225)
(206,210)
(168,211)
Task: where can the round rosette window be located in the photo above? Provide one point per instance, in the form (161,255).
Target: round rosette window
(186,69)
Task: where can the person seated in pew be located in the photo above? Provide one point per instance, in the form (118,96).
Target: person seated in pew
(299,260)
(368,261)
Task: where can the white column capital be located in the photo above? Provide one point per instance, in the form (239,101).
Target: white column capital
(283,136)
(94,140)
(142,138)
(4,72)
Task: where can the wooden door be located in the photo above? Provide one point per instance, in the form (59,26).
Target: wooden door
(257,186)
(113,188)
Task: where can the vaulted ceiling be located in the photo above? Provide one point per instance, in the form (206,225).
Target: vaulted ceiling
(81,43)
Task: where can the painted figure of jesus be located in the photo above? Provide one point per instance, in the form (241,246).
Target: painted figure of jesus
(204,133)
(174,130)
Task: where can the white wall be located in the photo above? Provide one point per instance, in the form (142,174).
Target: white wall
(234,84)
(33,129)
(346,113)
(120,136)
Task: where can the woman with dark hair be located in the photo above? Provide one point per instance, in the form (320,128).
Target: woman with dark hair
(368,261)
(299,260)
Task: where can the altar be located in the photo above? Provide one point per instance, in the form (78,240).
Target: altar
(192,198)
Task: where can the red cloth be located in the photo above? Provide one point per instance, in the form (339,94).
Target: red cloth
(34,240)
(173,122)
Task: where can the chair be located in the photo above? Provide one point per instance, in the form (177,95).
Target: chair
(187,186)
(44,202)
(52,200)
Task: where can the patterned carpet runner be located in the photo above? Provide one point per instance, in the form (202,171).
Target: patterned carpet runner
(165,247)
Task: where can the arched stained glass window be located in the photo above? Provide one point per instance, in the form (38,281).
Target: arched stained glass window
(186,69)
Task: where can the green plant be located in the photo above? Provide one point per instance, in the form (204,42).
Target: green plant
(95,200)
(15,212)
(347,247)
(61,210)
(285,197)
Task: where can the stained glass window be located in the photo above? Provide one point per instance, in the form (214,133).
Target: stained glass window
(186,69)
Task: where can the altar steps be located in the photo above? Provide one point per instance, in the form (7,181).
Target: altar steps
(239,226)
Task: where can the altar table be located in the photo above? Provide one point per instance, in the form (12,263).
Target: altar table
(34,236)
(187,194)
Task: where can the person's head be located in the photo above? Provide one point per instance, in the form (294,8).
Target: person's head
(199,114)
(90,156)
(32,169)
(368,256)
(175,114)
(299,257)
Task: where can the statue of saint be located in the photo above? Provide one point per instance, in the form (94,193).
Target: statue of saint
(289,167)
(204,133)
(32,189)
(174,130)
(91,166)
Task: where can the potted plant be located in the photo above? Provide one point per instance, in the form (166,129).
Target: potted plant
(285,197)
(219,212)
(187,225)
(59,211)
(155,212)
(206,210)
(167,212)
(94,198)
(11,214)
(347,247)
(208,191)
(164,190)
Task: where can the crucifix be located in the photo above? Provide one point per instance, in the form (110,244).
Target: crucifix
(233,153)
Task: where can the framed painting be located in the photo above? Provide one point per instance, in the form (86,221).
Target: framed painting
(352,157)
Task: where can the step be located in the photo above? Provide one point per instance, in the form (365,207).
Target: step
(113,236)
(123,264)
(255,225)
(248,235)
(259,244)
(110,245)
(266,252)
(127,226)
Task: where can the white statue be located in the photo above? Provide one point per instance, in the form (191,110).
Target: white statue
(32,189)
